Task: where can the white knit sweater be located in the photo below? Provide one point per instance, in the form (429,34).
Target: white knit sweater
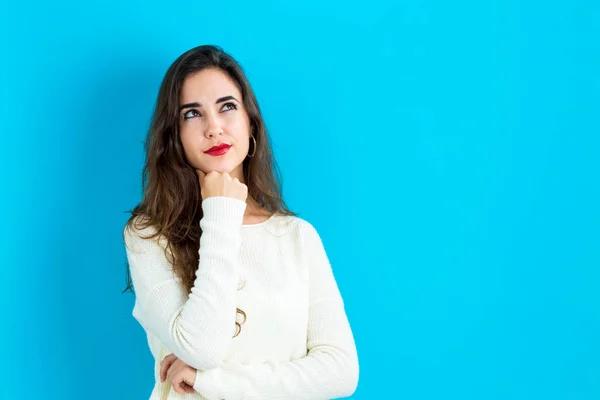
(296,342)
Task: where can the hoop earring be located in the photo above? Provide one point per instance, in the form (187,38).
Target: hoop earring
(254,152)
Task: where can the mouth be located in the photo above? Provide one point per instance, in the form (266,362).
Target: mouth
(218,150)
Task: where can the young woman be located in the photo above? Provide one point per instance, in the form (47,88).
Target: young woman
(235,291)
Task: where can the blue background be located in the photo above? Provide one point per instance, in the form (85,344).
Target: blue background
(458,198)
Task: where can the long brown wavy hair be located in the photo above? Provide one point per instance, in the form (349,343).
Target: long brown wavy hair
(171,201)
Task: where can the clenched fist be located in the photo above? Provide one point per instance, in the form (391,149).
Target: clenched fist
(181,375)
(221,184)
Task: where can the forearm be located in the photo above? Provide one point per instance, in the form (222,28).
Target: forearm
(198,328)
(330,369)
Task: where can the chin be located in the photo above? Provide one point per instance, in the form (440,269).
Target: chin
(220,167)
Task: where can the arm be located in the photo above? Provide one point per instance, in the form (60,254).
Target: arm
(197,328)
(329,370)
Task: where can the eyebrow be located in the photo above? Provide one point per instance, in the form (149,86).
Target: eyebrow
(196,104)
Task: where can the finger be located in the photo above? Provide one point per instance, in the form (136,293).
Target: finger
(169,358)
(165,364)
(163,371)
(178,388)
(171,372)
(187,387)
(182,387)
(164,367)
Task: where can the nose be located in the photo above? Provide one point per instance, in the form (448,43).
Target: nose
(213,127)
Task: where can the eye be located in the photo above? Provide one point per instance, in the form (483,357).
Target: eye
(232,105)
(185,116)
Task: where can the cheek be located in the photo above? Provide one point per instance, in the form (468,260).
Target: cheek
(241,130)
(240,121)
(190,141)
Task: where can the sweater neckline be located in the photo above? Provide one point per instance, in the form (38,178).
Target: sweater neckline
(266,221)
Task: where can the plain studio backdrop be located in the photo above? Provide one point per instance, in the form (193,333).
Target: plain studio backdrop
(447,152)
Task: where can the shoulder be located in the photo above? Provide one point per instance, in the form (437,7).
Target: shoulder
(306,227)
(138,233)
(299,228)
(137,227)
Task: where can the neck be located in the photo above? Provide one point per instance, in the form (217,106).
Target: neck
(252,207)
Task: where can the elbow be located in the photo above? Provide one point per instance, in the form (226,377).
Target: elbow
(201,358)
(201,362)
(350,379)
(202,352)
(349,373)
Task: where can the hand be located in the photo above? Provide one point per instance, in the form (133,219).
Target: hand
(181,375)
(221,184)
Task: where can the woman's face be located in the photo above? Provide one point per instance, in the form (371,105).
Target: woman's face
(211,113)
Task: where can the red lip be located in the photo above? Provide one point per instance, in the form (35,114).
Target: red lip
(218,149)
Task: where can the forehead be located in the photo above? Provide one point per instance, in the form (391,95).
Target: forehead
(206,85)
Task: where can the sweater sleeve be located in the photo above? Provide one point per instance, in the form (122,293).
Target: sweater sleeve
(329,370)
(198,327)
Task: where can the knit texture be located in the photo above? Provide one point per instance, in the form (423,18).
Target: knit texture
(296,342)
